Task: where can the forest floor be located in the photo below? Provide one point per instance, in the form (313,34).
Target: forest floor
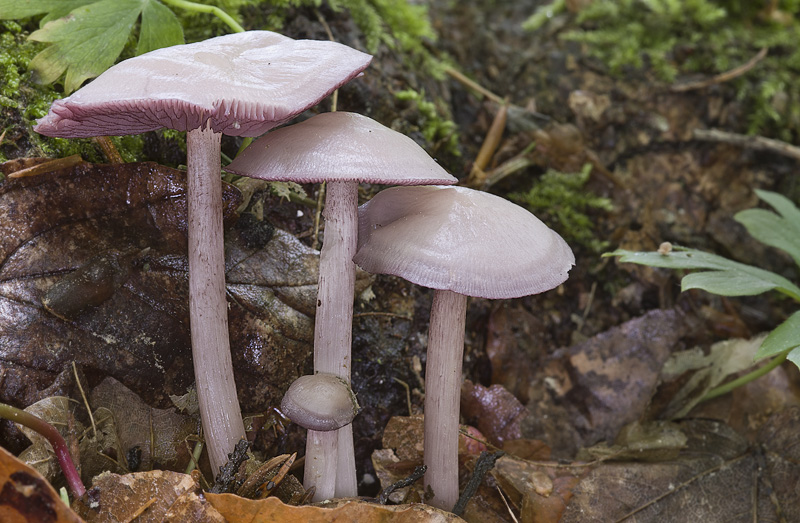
(593,389)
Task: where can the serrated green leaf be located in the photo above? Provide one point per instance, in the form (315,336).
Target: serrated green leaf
(86,43)
(785,336)
(745,280)
(160,28)
(16,9)
(782,232)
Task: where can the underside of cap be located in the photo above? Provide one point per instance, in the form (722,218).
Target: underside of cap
(459,239)
(339,146)
(241,84)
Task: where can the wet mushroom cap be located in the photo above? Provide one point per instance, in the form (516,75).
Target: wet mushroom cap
(459,239)
(320,402)
(242,84)
(339,146)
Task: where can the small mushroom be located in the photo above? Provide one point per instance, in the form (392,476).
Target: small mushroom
(343,149)
(321,403)
(239,84)
(460,242)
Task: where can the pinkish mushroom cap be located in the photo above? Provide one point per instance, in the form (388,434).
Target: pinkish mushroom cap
(339,146)
(242,84)
(459,239)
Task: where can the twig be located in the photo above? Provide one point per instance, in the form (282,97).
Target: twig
(48,166)
(407,482)
(377,313)
(722,77)
(85,400)
(484,464)
(109,151)
(753,142)
(477,176)
(408,393)
(475,86)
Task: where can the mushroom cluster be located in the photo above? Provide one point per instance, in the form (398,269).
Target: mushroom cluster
(240,84)
(342,149)
(459,242)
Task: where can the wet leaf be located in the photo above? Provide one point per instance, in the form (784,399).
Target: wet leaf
(130,220)
(268,510)
(495,411)
(152,496)
(26,496)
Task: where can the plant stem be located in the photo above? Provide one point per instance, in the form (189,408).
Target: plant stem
(747,378)
(54,437)
(202,8)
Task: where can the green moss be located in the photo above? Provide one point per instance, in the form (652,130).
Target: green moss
(684,37)
(441,132)
(561,200)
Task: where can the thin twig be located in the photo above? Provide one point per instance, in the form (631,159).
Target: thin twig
(48,166)
(722,77)
(753,142)
(85,400)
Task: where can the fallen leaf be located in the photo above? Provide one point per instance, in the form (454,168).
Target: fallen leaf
(25,496)
(495,411)
(112,239)
(160,435)
(152,496)
(268,510)
(588,392)
(717,477)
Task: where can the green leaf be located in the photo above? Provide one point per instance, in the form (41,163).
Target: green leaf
(786,336)
(794,356)
(86,43)
(725,277)
(160,28)
(782,232)
(16,9)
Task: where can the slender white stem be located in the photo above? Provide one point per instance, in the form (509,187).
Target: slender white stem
(208,309)
(442,396)
(333,329)
(320,468)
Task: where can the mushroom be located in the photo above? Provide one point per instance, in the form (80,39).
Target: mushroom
(342,149)
(240,84)
(460,242)
(321,403)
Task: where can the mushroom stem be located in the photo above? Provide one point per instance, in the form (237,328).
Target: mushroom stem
(333,329)
(208,309)
(320,469)
(442,396)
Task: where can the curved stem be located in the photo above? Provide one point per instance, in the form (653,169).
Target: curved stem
(747,378)
(208,310)
(54,437)
(202,8)
(442,397)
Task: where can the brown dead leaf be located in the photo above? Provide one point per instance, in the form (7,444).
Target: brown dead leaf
(152,496)
(718,477)
(588,392)
(104,246)
(268,510)
(495,411)
(25,496)
(159,434)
